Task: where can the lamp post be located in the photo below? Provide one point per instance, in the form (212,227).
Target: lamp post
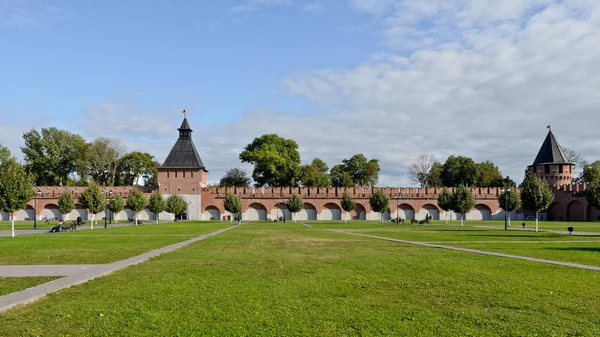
(397,208)
(35,208)
(506,191)
(108,195)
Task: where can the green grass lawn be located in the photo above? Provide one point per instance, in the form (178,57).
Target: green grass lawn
(97,246)
(11,284)
(262,279)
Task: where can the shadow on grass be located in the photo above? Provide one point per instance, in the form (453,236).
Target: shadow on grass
(581,249)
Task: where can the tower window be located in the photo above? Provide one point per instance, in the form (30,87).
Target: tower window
(168,174)
(560,169)
(175,174)
(184,173)
(546,169)
(192,174)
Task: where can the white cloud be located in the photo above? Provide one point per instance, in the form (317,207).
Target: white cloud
(314,7)
(255,5)
(29,12)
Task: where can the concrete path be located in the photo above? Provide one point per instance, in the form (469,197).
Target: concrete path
(306,225)
(474,251)
(76,274)
(576,233)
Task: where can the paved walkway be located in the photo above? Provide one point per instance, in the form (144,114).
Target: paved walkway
(576,233)
(474,251)
(76,274)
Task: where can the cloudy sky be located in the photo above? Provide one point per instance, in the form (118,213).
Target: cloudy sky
(388,78)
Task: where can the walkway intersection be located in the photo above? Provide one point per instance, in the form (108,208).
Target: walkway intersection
(76,274)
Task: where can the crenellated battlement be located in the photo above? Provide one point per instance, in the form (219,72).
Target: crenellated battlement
(354,192)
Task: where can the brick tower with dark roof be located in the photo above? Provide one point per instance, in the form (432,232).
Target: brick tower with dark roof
(183,172)
(551,162)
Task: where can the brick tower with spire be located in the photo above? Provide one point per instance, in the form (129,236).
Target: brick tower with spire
(551,162)
(183,172)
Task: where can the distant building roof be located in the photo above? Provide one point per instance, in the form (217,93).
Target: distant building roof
(184,155)
(550,152)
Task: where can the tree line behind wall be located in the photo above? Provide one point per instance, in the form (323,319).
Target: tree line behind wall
(58,157)
(276,163)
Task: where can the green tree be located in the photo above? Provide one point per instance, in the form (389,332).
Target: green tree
(463,201)
(16,188)
(136,201)
(66,204)
(341,178)
(591,173)
(276,160)
(488,175)
(151,179)
(157,204)
(434,178)
(176,205)
(536,195)
(4,154)
(93,200)
(116,205)
(295,205)
(379,203)
(509,201)
(103,157)
(348,204)
(232,204)
(446,201)
(54,156)
(459,170)
(592,196)
(133,166)
(235,177)
(315,174)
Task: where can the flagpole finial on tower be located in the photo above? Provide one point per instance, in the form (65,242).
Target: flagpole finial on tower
(548,127)
(184,114)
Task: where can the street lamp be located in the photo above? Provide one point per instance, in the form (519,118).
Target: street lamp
(506,191)
(35,207)
(108,195)
(397,208)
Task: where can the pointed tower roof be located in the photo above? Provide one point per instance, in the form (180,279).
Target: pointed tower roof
(184,155)
(550,152)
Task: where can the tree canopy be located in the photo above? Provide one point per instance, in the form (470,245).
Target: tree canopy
(536,194)
(66,203)
(348,204)
(133,166)
(116,204)
(356,171)
(55,157)
(4,154)
(379,202)
(103,158)
(463,201)
(176,205)
(235,177)
(276,160)
(295,204)
(16,186)
(92,198)
(157,204)
(591,173)
(315,174)
(232,203)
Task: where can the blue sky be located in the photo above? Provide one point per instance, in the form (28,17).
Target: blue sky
(206,56)
(388,78)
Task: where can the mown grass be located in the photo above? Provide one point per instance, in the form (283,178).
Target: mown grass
(97,246)
(12,284)
(286,280)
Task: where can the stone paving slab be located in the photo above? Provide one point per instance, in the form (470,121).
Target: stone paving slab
(85,274)
(44,270)
(474,251)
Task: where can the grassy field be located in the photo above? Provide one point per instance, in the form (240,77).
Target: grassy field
(6,225)
(97,246)
(265,279)
(11,284)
